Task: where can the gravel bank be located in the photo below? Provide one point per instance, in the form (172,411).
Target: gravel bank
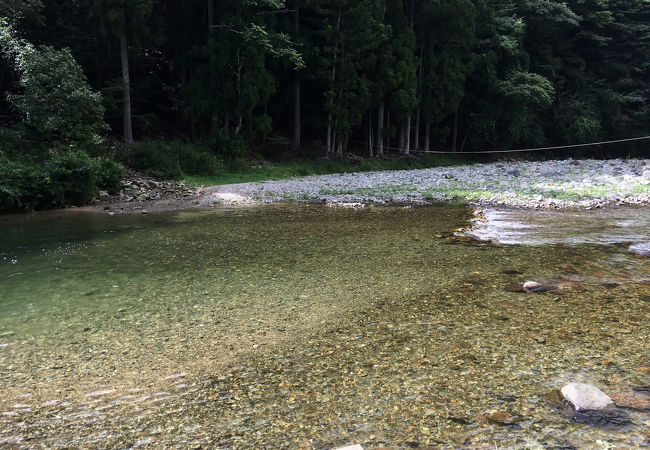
(539,185)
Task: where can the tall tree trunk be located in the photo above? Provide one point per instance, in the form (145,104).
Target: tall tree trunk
(329,131)
(388,126)
(266,110)
(296,114)
(369,135)
(402,139)
(380,129)
(427,134)
(238,86)
(416,146)
(407,135)
(126,82)
(331,134)
(214,121)
(296,88)
(454,136)
(416,132)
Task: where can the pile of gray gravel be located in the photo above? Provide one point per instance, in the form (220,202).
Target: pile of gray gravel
(541,185)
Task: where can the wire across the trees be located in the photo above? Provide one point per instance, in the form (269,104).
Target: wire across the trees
(519,150)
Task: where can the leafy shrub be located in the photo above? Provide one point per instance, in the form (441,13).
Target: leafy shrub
(71,178)
(67,178)
(20,184)
(174,158)
(230,146)
(109,175)
(157,158)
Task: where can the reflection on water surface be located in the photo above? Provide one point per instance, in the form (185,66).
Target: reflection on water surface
(267,327)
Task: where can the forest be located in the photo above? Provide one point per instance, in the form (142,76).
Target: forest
(177,88)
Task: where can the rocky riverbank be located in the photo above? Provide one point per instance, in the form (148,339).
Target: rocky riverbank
(585,184)
(140,193)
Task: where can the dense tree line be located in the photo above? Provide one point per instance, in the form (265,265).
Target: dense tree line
(328,76)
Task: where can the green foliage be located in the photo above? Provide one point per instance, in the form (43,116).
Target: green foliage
(109,175)
(246,172)
(20,184)
(173,159)
(55,101)
(229,146)
(484,73)
(447,30)
(70,179)
(22,10)
(66,178)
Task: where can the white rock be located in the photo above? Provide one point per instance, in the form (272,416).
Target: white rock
(642,248)
(350,447)
(531,286)
(585,397)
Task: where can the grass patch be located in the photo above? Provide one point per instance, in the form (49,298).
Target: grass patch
(466,194)
(281,170)
(385,189)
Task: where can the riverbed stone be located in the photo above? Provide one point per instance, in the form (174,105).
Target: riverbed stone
(531,286)
(586,397)
(641,248)
(534,286)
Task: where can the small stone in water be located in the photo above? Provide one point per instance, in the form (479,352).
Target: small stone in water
(585,397)
(502,418)
(632,402)
(531,286)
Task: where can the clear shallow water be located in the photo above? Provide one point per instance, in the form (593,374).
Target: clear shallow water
(266,327)
(603,226)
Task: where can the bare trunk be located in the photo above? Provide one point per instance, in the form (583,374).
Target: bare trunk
(331,134)
(427,134)
(462,145)
(402,139)
(407,133)
(126,82)
(380,129)
(210,15)
(454,135)
(416,132)
(240,68)
(388,126)
(369,135)
(266,109)
(416,146)
(296,89)
(214,120)
(296,114)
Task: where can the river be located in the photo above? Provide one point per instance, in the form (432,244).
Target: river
(268,327)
